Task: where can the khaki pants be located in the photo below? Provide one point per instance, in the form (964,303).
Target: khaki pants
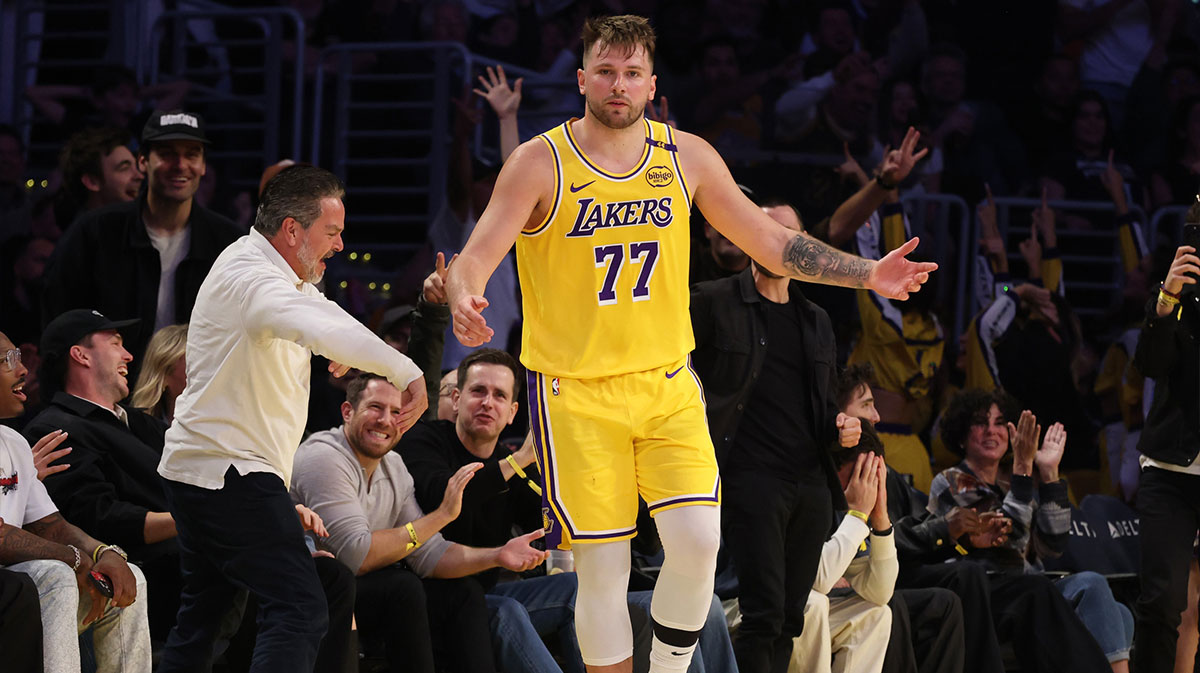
(841,635)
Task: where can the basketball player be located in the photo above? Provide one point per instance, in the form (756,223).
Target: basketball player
(599,210)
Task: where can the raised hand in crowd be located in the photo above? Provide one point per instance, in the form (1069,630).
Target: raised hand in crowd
(1031,250)
(898,163)
(1114,184)
(1039,301)
(46,451)
(434,289)
(516,554)
(850,169)
(660,112)
(505,101)
(863,488)
(1051,453)
(1024,437)
(849,430)
(990,240)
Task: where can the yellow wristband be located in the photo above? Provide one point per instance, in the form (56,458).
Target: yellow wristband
(1166,299)
(959,548)
(858,515)
(516,468)
(412,535)
(97,551)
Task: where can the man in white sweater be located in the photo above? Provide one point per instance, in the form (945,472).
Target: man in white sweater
(847,620)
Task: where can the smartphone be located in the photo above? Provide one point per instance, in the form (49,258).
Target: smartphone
(102,583)
(1191,235)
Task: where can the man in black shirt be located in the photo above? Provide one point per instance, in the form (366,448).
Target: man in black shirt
(145,258)
(766,357)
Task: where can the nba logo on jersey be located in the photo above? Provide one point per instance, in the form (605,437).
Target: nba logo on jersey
(554,385)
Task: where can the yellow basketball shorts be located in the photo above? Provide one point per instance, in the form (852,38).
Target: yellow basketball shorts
(602,442)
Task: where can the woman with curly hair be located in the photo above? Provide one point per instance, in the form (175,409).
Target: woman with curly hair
(1023,517)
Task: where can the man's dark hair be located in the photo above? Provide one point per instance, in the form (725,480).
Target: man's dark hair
(358,384)
(296,192)
(780,202)
(868,442)
(850,380)
(624,33)
(83,154)
(970,407)
(490,356)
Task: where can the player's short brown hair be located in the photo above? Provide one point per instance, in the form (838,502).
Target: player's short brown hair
(626,32)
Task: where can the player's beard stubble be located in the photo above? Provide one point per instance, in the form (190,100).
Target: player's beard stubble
(603,114)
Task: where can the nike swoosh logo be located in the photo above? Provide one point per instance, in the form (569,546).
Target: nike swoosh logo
(583,186)
(671,375)
(678,654)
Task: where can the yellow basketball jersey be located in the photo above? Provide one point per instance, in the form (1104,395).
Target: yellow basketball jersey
(604,275)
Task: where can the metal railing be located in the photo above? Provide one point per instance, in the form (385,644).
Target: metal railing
(943,222)
(386,131)
(1092,270)
(253,112)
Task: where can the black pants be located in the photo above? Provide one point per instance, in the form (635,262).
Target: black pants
(20,623)
(425,621)
(1046,635)
(244,536)
(927,632)
(970,583)
(774,530)
(1169,505)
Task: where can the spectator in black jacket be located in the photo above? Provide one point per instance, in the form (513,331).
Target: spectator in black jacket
(145,258)
(110,486)
(765,355)
(1168,496)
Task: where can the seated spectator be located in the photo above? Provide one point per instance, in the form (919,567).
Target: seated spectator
(97,170)
(846,617)
(901,109)
(163,374)
(976,142)
(1034,524)
(165,243)
(36,540)
(922,611)
(725,105)
(23,265)
(111,487)
(14,197)
(112,98)
(717,257)
(1076,172)
(1178,182)
(364,491)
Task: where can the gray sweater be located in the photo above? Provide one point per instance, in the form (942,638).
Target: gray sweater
(328,478)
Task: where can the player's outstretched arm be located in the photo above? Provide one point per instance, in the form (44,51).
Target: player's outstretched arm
(526,178)
(786,252)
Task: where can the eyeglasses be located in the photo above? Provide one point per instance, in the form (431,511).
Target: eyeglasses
(12,359)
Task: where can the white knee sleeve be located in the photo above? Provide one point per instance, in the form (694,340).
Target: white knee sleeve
(601,609)
(683,593)
(690,536)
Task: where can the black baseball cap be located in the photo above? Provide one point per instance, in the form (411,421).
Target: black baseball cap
(174,125)
(71,327)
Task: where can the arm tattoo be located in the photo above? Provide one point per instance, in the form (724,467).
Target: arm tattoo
(810,259)
(17,545)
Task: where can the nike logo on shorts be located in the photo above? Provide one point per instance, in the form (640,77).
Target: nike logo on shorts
(583,186)
(671,375)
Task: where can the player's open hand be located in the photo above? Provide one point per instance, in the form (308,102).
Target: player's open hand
(895,277)
(516,554)
(469,326)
